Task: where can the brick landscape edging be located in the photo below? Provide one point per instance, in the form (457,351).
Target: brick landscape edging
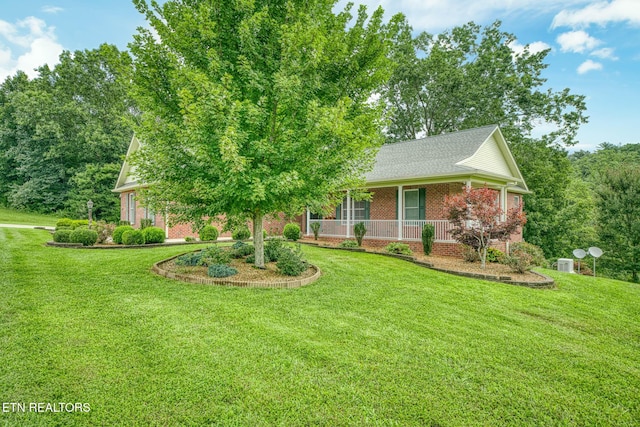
(286,284)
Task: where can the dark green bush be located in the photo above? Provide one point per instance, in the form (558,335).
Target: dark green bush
(76,223)
(85,236)
(291,263)
(189,239)
(241,233)
(348,244)
(62,236)
(117,233)
(469,254)
(241,249)
(190,259)
(315,227)
(272,249)
(63,222)
(145,223)
(359,230)
(428,236)
(221,270)
(250,259)
(398,248)
(494,255)
(208,233)
(215,255)
(133,237)
(291,231)
(153,235)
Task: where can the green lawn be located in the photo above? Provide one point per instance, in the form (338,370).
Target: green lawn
(376,341)
(12,216)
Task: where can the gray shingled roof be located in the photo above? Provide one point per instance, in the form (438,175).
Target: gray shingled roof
(428,157)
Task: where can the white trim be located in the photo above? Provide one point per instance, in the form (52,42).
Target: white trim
(400,210)
(404,207)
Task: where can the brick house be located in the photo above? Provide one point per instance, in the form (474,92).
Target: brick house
(408,184)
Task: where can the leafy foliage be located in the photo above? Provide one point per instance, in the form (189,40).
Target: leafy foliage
(64,222)
(241,233)
(359,230)
(221,270)
(191,259)
(475,216)
(398,248)
(133,237)
(62,236)
(145,223)
(104,230)
(119,231)
(428,236)
(272,249)
(523,257)
(315,227)
(85,236)
(215,255)
(494,255)
(208,233)
(241,249)
(291,231)
(291,262)
(153,235)
(348,244)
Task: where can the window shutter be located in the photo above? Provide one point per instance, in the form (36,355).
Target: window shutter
(338,211)
(421,203)
(367,209)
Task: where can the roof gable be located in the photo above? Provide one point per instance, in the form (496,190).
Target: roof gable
(126,178)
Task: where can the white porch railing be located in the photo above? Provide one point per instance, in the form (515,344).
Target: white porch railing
(385,229)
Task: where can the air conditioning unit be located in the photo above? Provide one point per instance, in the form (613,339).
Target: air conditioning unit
(565,265)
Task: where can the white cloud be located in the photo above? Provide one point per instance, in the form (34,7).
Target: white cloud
(32,41)
(51,9)
(534,47)
(589,65)
(577,41)
(600,13)
(605,53)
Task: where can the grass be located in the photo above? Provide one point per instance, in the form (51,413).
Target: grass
(376,341)
(12,216)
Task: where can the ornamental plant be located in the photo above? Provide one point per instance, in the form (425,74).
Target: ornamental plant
(315,227)
(476,219)
(208,233)
(291,231)
(153,235)
(359,230)
(118,231)
(83,235)
(428,236)
(133,237)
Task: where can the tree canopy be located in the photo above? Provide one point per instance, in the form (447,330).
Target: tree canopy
(254,108)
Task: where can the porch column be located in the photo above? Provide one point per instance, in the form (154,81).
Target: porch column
(348,214)
(308,219)
(503,203)
(468,184)
(400,211)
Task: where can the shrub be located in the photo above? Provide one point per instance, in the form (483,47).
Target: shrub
(291,263)
(221,270)
(537,255)
(133,237)
(523,257)
(250,259)
(104,230)
(494,255)
(189,239)
(215,255)
(190,259)
(241,233)
(208,233)
(85,236)
(76,223)
(153,235)
(359,230)
(124,223)
(348,244)
(428,236)
(469,254)
(315,227)
(398,248)
(63,222)
(146,223)
(241,249)
(291,231)
(272,249)
(118,231)
(62,236)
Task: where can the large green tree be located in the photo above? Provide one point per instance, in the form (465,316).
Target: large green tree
(256,107)
(471,76)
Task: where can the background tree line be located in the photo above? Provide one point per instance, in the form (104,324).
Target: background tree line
(63,134)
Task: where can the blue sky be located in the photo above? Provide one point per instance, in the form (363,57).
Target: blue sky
(595,44)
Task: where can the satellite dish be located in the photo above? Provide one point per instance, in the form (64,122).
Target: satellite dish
(595,252)
(579,253)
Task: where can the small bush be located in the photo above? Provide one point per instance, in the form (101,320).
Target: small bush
(76,223)
(118,231)
(359,230)
(153,235)
(250,259)
(221,270)
(146,223)
(241,249)
(398,248)
(189,239)
(523,257)
(291,231)
(215,255)
(190,259)
(241,233)
(315,227)
(291,263)
(104,230)
(272,250)
(208,233)
(537,255)
(348,244)
(428,236)
(133,237)
(469,254)
(63,222)
(494,255)
(124,223)
(62,236)
(85,236)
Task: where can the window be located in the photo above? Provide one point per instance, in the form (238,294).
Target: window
(359,210)
(315,215)
(411,205)
(131,205)
(149,214)
(516,201)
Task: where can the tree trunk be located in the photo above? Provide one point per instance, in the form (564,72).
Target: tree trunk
(258,239)
(483,257)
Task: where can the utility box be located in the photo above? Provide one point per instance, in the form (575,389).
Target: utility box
(565,265)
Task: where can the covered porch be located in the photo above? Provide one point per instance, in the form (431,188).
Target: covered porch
(409,230)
